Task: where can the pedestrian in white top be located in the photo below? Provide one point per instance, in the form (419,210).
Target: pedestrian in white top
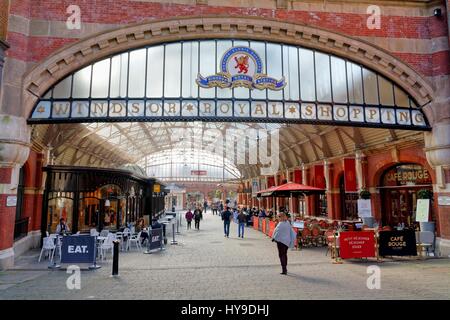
(285,237)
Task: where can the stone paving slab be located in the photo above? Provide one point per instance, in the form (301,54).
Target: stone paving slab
(205,265)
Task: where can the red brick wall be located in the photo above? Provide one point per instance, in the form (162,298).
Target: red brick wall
(107,12)
(7,217)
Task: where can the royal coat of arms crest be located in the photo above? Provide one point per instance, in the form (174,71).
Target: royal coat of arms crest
(241,67)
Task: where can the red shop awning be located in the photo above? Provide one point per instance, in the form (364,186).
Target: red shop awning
(285,190)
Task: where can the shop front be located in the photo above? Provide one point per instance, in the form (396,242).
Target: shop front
(98,198)
(399,193)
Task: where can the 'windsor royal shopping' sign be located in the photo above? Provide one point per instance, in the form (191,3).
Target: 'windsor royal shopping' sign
(240,67)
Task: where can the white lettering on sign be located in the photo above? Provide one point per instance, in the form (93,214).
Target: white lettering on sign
(77,249)
(155,238)
(238,109)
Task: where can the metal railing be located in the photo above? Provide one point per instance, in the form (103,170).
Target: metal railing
(21,228)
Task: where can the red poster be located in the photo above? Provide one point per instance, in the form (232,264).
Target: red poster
(319,177)
(255,223)
(298,176)
(349,175)
(272,226)
(357,244)
(263,225)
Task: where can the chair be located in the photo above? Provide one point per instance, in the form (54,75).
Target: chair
(49,248)
(136,239)
(316,235)
(127,233)
(306,237)
(107,245)
(329,237)
(94,232)
(425,240)
(104,233)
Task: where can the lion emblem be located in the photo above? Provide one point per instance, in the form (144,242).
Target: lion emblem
(241,64)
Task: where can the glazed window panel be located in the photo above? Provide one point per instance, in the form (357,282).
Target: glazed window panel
(401,99)
(274,68)
(307,87)
(338,73)
(386,91)
(136,85)
(354,79)
(190,69)
(119,76)
(172,78)
(62,89)
(290,61)
(260,48)
(207,65)
(323,81)
(82,83)
(100,79)
(155,66)
(222,47)
(370,87)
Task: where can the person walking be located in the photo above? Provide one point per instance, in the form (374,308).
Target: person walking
(197,217)
(226,217)
(242,220)
(189,216)
(205,205)
(285,237)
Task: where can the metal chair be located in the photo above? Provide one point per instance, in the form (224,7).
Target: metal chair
(425,240)
(48,247)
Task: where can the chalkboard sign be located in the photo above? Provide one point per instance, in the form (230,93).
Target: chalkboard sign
(397,243)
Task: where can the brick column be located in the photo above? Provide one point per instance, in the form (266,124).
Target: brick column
(437,148)
(14,150)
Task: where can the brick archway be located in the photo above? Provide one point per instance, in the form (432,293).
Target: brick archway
(96,47)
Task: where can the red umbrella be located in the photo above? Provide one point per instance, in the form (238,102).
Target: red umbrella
(288,189)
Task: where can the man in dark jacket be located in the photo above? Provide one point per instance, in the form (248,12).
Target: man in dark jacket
(242,219)
(226,217)
(197,217)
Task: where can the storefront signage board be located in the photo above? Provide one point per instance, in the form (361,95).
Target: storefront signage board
(78,249)
(444,201)
(397,243)
(156,238)
(11,201)
(423,209)
(357,244)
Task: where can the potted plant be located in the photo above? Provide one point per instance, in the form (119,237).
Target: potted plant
(364,194)
(425,194)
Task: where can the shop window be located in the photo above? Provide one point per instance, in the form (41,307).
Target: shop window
(349,202)
(60,206)
(322,206)
(399,187)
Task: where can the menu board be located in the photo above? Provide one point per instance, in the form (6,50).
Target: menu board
(423,209)
(397,243)
(357,244)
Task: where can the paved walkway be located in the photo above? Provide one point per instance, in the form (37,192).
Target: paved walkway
(205,265)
